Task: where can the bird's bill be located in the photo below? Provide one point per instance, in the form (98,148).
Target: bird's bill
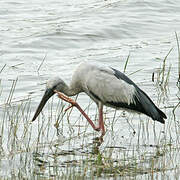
(48,93)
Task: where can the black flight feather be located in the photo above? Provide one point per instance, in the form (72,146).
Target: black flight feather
(142,103)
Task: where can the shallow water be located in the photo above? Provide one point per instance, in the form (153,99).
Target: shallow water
(65,33)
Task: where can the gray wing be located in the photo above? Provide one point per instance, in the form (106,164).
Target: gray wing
(102,84)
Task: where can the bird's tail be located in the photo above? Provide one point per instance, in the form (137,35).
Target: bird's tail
(149,108)
(161,116)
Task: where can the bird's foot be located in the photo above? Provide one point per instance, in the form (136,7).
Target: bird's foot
(69,107)
(72,102)
(67,99)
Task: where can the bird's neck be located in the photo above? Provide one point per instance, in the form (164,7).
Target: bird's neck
(70,90)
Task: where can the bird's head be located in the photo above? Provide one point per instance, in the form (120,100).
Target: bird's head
(52,85)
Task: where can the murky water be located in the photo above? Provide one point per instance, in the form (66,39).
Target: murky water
(41,39)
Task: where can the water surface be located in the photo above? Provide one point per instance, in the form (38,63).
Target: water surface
(65,33)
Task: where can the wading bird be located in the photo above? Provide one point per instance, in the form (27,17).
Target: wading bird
(105,86)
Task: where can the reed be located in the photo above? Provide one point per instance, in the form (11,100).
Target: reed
(177,40)
(42,62)
(2,68)
(12,91)
(125,65)
(164,73)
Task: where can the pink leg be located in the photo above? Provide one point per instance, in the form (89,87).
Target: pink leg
(86,116)
(73,103)
(101,122)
